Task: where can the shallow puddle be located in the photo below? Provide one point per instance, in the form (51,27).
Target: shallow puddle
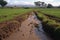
(40,32)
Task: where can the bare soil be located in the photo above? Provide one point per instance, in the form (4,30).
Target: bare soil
(20,28)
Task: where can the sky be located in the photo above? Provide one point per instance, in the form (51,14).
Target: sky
(31,2)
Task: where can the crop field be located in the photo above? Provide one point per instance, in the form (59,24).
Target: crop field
(8,13)
(51,11)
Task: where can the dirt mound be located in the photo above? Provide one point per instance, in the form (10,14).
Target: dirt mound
(6,29)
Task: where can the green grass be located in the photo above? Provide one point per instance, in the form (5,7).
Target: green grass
(8,13)
(50,26)
(51,11)
(48,21)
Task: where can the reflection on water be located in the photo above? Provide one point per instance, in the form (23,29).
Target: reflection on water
(39,31)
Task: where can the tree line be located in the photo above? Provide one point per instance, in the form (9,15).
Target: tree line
(43,4)
(38,4)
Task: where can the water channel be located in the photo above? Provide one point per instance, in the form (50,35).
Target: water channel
(40,32)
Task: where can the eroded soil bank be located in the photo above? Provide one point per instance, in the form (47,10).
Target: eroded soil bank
(7,28)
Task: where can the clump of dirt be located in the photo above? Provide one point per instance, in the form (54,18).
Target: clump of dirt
(6,29)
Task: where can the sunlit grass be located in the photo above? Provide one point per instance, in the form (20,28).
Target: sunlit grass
(8,13)
(50,11)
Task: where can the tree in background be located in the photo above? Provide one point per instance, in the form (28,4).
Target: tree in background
(37,3)
(50,6)
(40,4)
(58,6)
(3,3)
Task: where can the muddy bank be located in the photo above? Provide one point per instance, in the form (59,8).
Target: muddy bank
(26,30)
(10,26)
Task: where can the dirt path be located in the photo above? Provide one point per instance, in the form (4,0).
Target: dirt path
(26,31)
